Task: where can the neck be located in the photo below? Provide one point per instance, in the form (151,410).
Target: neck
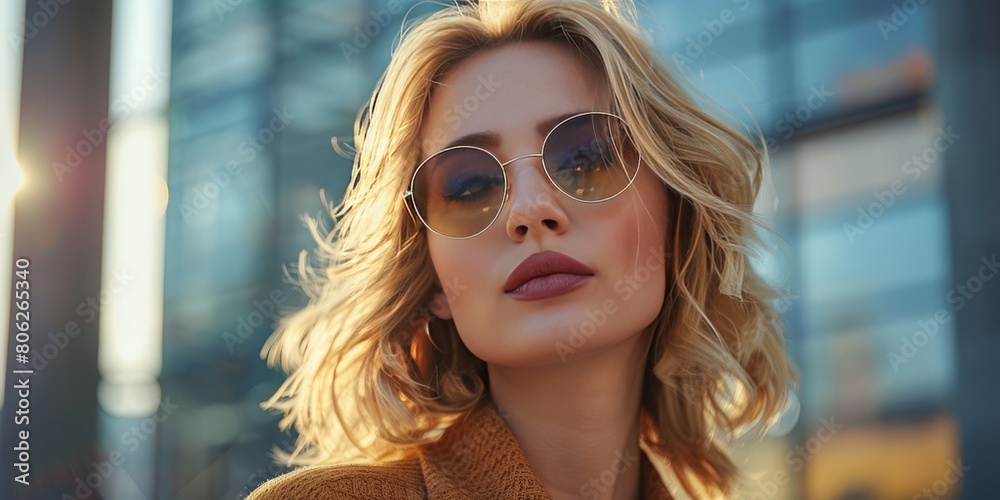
(578,422)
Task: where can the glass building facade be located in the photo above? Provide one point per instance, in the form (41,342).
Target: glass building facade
(845,95)
(840,90)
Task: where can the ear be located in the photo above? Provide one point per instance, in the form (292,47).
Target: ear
(440,306)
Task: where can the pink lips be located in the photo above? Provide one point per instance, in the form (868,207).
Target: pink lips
(546,274)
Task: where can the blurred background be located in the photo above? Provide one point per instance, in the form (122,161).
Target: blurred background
(156,157)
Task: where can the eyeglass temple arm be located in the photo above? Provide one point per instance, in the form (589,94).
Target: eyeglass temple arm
(409,193)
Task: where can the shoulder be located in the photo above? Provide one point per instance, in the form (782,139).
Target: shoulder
(396,480)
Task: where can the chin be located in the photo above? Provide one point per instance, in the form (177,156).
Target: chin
(541,350)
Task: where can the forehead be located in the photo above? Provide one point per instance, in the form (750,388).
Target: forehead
(508,90)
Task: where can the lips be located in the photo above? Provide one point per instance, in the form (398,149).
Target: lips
(544,264)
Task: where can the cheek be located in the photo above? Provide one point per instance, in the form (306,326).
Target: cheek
(443,257)
(458,267)
(638,243)
(639,248)
(638,232)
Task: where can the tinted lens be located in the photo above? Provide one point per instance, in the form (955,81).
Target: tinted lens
(458,191)
(591,157)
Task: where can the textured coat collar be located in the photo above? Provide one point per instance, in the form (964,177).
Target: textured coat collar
(479,457)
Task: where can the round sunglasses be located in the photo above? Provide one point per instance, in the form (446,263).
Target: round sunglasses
(459,191)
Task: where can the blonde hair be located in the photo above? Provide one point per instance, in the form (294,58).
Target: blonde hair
(717,364)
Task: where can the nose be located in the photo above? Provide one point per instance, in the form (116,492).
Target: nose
(533,202)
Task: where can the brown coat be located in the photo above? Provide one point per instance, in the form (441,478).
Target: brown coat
(475,458)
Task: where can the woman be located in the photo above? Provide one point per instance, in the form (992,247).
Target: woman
(538,284)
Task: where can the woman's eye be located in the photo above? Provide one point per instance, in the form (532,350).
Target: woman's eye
(586,159)
(468,189)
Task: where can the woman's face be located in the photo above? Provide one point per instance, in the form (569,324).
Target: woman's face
(505,92)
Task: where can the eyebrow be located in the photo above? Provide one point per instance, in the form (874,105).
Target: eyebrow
(487,140)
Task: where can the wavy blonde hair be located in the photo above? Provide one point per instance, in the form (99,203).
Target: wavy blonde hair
(717,364)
